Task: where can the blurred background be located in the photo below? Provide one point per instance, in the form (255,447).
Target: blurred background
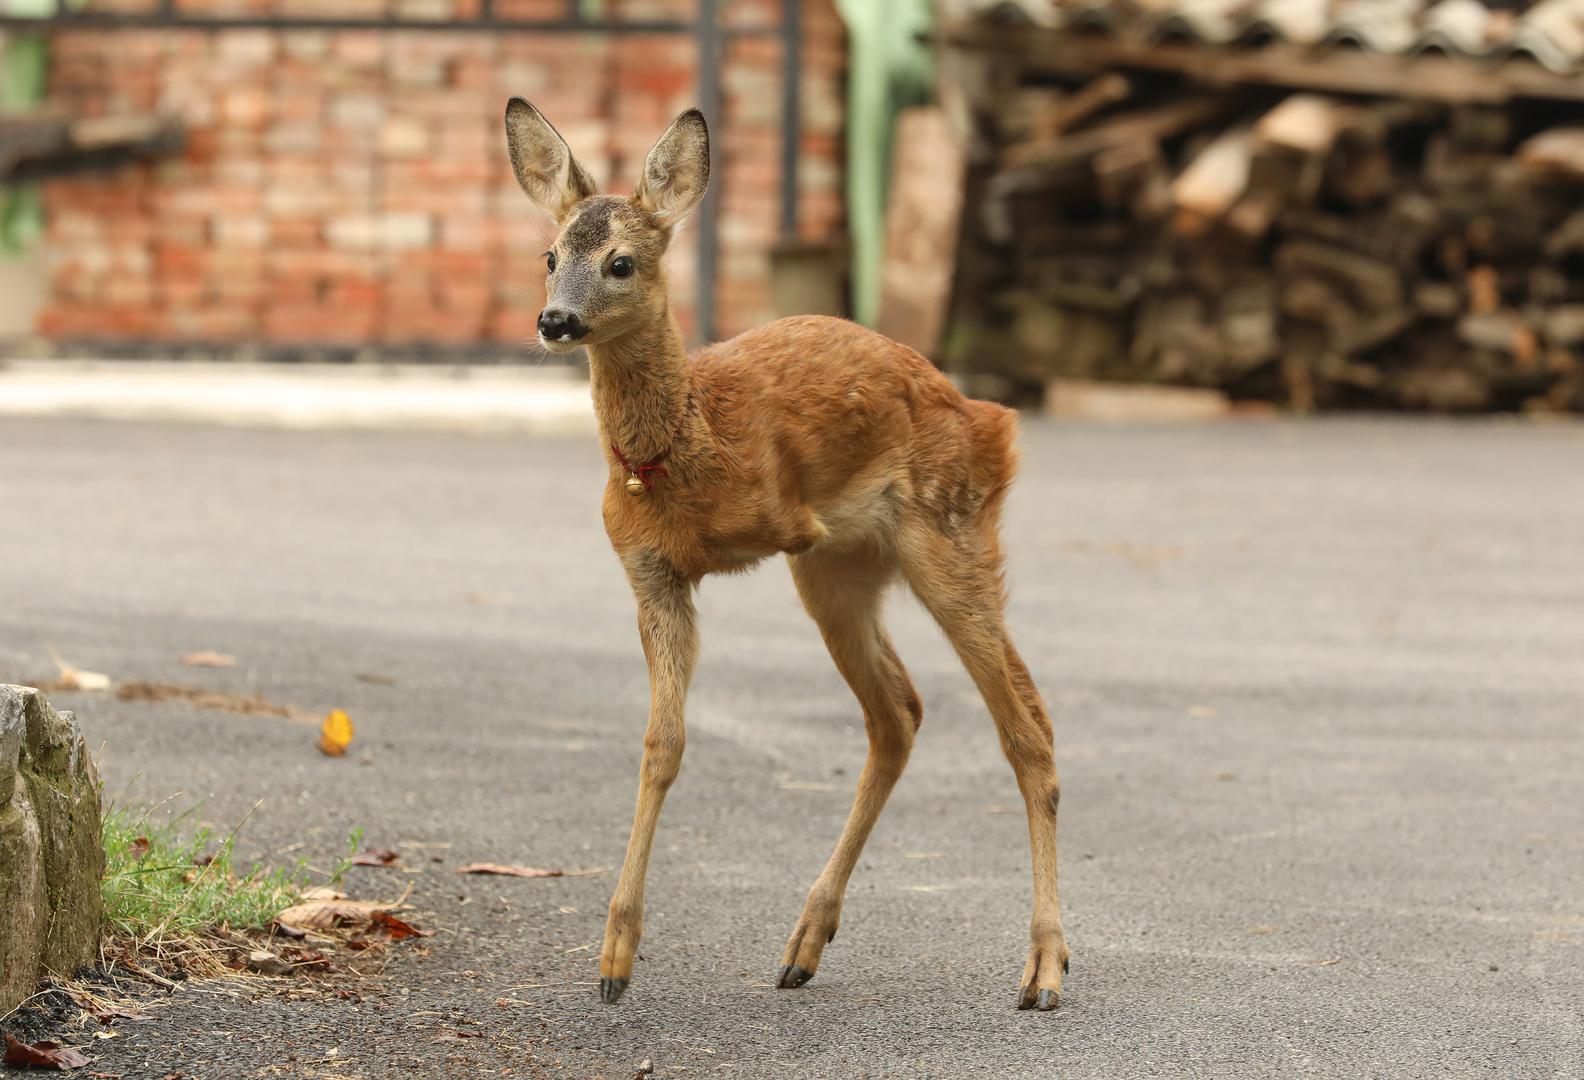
(1316,680)
(1311,203)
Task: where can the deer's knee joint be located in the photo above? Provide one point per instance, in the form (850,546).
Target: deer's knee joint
(914,707)
(1033,756)
(890,737)
(662,760)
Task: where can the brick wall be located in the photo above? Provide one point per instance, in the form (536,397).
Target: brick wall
(352,187)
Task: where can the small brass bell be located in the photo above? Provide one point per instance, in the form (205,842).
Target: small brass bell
(635,486)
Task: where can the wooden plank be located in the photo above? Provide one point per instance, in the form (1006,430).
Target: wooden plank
(1139,125)
(1559,151)
(1213,181)
(1307,123)
(1043,114)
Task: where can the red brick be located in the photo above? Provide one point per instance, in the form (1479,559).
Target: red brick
(290,132)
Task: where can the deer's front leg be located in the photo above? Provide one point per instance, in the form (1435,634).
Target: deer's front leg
(670,643)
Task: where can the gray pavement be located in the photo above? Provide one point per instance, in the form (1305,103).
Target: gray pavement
(1319,699)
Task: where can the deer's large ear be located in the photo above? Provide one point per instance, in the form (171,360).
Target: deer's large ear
(544,165)
(677,170)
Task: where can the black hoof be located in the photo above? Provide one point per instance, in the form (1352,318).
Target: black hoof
(1047,1000)
(793,976)
(1026,997)
(611,989)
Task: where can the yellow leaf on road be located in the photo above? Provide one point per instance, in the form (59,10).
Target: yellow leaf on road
(335,734)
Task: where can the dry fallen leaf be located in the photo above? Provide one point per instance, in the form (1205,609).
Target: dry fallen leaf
(139,847)
(42,1055)
(325,914)
(300,957)
(209,659)
(398,930)
(335,734)
(324,909)
(264,962)
(524,871)
(384,857)
(203,698)
(72,678)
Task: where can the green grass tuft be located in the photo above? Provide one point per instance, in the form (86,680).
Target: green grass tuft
(168,883)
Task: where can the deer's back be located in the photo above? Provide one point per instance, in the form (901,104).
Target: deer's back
(854,424)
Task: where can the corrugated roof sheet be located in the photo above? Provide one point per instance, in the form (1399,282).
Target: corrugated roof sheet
(1551,32)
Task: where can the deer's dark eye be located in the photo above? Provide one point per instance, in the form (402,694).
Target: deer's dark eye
(550,261)
(622,267)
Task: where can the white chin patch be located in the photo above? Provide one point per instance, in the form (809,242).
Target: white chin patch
(562,344)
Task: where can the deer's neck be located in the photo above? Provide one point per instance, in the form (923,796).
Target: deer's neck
(643,392)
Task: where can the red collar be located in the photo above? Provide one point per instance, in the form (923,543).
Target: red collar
(654,465)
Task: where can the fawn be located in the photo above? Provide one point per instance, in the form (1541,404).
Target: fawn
(812,437)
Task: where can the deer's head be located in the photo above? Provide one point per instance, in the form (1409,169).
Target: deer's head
(605,273)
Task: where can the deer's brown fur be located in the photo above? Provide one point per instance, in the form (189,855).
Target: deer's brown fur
(811,437)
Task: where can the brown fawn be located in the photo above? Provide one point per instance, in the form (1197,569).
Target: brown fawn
(812,437)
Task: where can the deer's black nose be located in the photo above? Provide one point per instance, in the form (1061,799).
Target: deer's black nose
(558,325)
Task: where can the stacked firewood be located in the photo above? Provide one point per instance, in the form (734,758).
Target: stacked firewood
(1316,250)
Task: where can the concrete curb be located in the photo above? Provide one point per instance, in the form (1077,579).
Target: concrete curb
(303,396)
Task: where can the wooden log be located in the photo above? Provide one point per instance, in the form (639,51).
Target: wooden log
(1440,387)
(1248,325)
(1372,331)
(1557,152)
(1253,215)
(1050,115)
(1370,283)
(1564,326)
(1214,180)
(1480,127)
(1147,124)
(1307,123)
(1132,176)
(1497,332)
(1359,170)
(1437,299)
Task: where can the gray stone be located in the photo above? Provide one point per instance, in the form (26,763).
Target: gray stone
(51,852)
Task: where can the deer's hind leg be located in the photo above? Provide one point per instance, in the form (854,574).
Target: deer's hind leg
(842,591)
(958,578)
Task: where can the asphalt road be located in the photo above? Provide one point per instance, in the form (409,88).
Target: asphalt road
(1319,700)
